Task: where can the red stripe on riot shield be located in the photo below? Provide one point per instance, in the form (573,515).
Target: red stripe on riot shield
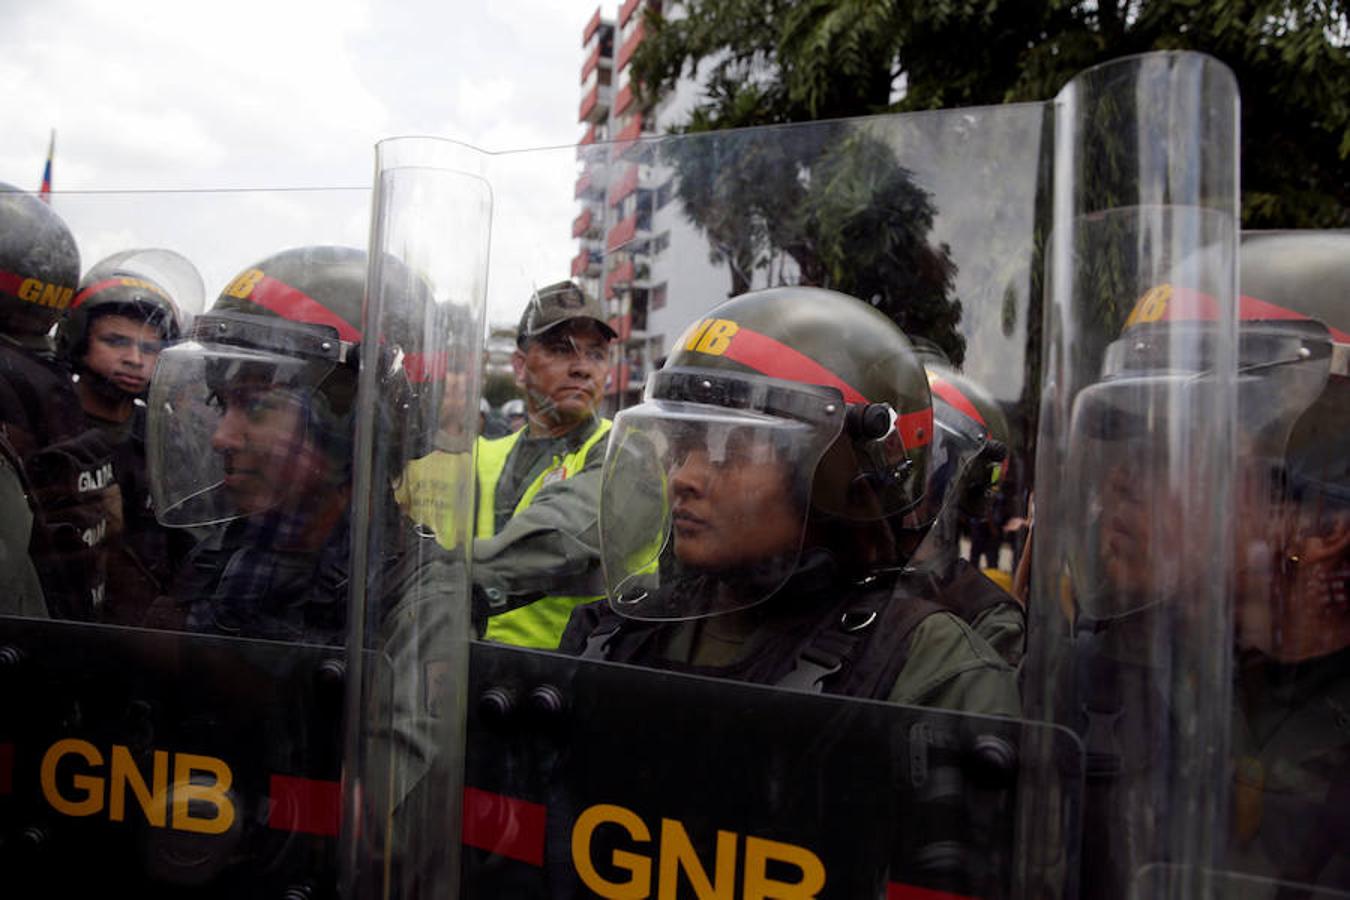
(6,768)
(504,826)
(303,804)
(896,891)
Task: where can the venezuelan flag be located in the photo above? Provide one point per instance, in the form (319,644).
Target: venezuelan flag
(45,192)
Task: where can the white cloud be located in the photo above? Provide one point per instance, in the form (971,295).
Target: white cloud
(162,94)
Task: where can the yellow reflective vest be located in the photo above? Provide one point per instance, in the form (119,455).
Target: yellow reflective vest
(541,623)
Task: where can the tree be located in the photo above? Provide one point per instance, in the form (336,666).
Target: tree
(774,61)
(779,61)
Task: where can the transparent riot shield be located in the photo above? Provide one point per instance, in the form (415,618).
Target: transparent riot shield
(408,648)
(1288,817)
(591,776)
(185,736)
(1130,613)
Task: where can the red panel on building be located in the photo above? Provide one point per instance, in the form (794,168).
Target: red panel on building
(626,11)
(626,185)
(591,62)
(580,262)
(622,233)
(625,98)
(583,185)
(591,27)
(625,139)
(581,223)
(588,103)
(626,51)
(589,136)
(621,274)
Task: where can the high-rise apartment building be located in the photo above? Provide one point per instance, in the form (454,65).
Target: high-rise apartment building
(628,230)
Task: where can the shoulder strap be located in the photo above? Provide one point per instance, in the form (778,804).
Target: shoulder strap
(970,593)
(888,615)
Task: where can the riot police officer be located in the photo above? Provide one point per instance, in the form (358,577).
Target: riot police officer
(68,466)
(118,323)
(251,429)
(1291,801)
(760,510)
(969,459)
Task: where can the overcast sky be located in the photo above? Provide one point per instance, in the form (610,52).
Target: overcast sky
(177,94)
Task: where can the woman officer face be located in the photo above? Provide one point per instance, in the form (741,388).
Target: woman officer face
(733,501)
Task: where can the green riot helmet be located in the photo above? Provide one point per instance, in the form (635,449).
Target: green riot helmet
(255,410)
(971,438)
(786,421)
(1293,505)
(39,264)
(131,285)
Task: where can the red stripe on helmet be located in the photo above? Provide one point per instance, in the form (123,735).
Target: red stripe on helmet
(116,281)
(953,397)
(295,305)
(777,360)
(9,283)
(1251,309)
(916,428)
(1188,305)
(504,825)
(304,805)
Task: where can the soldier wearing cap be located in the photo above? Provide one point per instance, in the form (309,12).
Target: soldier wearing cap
(536,553)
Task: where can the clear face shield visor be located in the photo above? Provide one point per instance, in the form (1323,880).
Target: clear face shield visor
(232,420)
(703,506)
(1136,436)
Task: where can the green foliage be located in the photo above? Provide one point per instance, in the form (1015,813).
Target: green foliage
(834,200)
(776,61)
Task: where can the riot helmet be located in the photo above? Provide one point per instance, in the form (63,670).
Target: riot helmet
(513,411)
(969,456)
(142,286)
(39,264)
(1293,506)
(254,411)
(786,421)
(1172,355)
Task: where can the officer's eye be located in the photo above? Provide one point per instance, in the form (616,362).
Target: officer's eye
(116,341)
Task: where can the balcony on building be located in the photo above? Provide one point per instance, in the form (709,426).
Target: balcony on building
(624,99)
(586,264)
(619,276)
(582,223)
(591,184)
(629,45)
(595,104)
(627,183)
(626,139)
(634,226)
(592,28)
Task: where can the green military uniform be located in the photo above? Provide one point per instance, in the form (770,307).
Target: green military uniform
(538,506)
(1291,798)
